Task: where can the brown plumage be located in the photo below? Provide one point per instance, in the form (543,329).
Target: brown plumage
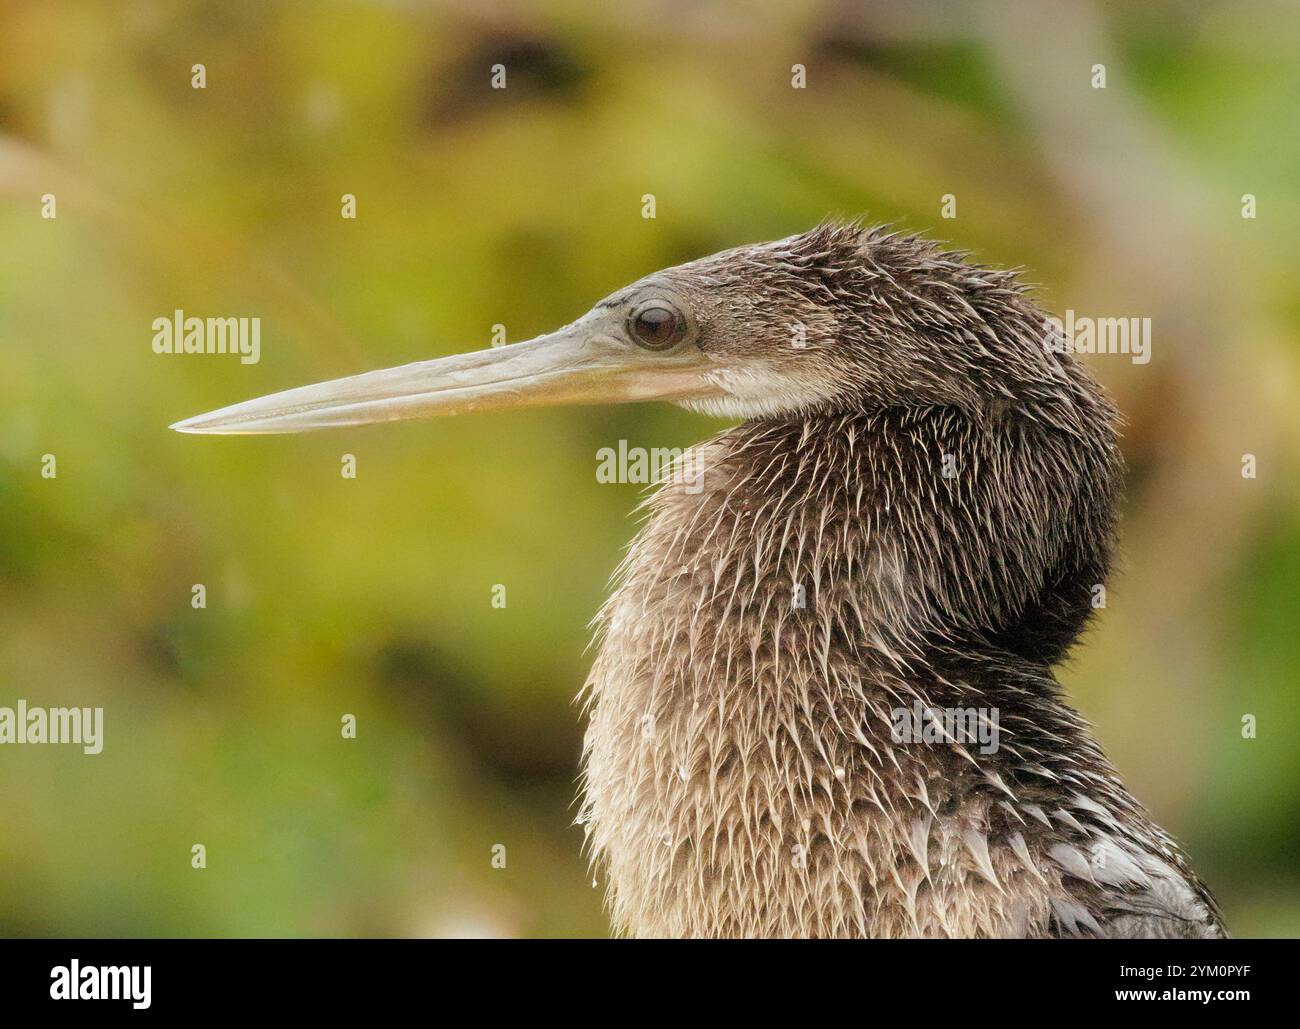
(742,776)
(913,518)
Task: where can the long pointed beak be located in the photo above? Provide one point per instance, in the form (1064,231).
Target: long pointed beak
(571,366)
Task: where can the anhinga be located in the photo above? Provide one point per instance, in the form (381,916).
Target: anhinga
(913,516)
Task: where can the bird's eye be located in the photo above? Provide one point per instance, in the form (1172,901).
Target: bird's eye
(656,326)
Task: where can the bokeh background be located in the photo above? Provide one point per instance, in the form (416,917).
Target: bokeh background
(521,207)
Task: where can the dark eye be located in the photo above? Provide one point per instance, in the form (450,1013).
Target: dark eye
(656,326)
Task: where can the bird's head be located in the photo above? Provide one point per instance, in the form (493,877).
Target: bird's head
(841,318)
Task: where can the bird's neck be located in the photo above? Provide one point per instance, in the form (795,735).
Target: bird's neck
(908,530)
(784,601)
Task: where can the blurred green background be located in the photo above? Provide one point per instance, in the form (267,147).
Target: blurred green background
(522,207)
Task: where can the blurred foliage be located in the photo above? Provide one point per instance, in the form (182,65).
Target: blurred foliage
(522,207)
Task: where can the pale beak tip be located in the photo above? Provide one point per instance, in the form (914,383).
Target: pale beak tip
(196,426)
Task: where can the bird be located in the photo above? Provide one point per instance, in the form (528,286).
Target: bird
(823,703)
